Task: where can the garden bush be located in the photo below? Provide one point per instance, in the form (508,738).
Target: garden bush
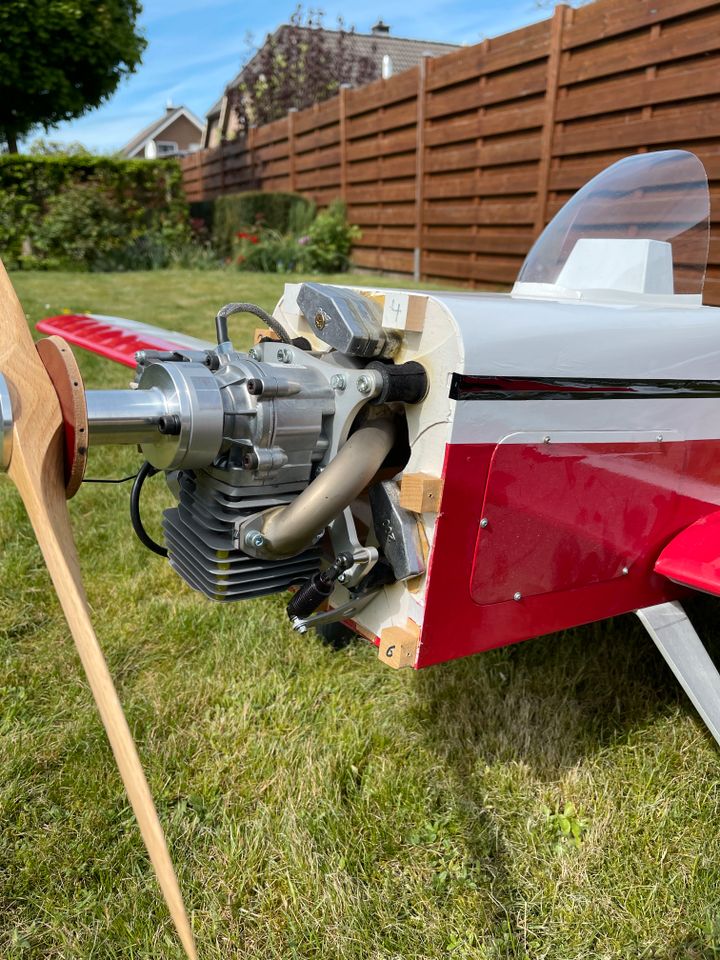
(285,213)
(93,213)
(323,246)
(329,240)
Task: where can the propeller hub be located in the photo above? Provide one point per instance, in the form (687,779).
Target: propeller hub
(6,424)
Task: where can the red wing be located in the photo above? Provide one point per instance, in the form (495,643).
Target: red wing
(116,338)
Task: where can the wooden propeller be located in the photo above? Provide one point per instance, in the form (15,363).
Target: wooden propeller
(37,469)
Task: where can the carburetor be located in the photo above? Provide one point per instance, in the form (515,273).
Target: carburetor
(265,451)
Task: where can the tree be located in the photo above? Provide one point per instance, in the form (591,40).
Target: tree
(61,58)
(54,148)
(299,65)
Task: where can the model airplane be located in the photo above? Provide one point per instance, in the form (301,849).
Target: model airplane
(443,473)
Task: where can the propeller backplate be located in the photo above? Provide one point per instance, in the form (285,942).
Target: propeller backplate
(6,424)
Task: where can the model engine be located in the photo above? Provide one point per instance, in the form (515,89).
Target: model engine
(250,444)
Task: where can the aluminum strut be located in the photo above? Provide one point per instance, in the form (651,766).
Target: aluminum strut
(682,648)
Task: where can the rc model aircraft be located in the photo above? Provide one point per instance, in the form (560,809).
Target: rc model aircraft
(442,473)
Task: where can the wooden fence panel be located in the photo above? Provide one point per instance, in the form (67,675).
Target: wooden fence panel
(451,169)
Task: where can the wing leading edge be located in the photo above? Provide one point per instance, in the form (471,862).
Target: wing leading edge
(116,338)
(692,557)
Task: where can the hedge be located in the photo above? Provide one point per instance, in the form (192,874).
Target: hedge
(88,212)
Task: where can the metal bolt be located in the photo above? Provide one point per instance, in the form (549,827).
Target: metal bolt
(364,384)
(659,438)
(625,571)
(484,522)
(253,538)
(342,578)
(170,425)
(321,319)
(546,439)
(254,354)
(298,625)
(338,381)
(517,596)
(284,356)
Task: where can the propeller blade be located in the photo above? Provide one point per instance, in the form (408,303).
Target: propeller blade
(36,468)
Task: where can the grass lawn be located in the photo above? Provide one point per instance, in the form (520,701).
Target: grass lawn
(317,804)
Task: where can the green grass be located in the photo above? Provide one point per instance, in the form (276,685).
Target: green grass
(319,805)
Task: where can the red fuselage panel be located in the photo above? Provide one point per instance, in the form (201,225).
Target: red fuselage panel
(564,522)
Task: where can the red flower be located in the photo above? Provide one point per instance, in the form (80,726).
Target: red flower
(241,236)
(253,238)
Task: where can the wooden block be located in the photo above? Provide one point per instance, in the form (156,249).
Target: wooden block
(261,332)
(398,645)
(404,311)
(420,492)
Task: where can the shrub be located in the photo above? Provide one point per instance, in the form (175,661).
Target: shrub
(269,251)
(330,240)
(86,212)
(281,212)
(81,227)
(324,245)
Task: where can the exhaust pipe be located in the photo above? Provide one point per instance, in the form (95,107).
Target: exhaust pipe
(285,531)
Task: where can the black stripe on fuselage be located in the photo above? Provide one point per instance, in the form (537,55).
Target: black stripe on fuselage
(468,387)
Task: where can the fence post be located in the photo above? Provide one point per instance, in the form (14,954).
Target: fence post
(420,166)
(551,92)
(292,114)
(221,161)
(250,145)
(344,87)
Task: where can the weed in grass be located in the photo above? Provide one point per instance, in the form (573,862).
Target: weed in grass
(566,828)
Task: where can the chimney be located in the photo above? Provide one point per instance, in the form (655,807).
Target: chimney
(381,29)
(169,106)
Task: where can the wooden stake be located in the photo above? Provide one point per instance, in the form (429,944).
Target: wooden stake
(36,468)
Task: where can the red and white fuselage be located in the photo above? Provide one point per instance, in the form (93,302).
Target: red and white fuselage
(574,441)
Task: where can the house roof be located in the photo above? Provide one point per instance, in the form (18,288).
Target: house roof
(215,108)
(154,129)
(403,51)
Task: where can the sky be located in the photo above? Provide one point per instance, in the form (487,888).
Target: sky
(196,47)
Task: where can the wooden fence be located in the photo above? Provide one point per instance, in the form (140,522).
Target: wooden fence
(452,168)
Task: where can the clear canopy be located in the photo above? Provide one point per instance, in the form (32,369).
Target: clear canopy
(652,196)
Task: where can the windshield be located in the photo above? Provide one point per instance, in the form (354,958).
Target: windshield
(648,197)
